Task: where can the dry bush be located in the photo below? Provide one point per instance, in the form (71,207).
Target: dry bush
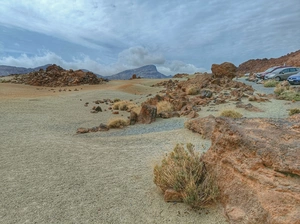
(231,113)
(136,109)
(284,92)
(183,171)
(192,90)
(270,83)
(164,106)
(124,105)
(294,111)
(117,122)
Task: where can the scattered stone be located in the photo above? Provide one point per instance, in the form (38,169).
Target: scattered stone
(147,114)
(82,130)
(103,127)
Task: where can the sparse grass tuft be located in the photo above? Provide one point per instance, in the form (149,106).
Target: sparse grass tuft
(294,111)
(116,100)
(117,122)
(164,106)
(270,83)
(183,171)
(231,113)
(287,93)
(192,90)
(124,105)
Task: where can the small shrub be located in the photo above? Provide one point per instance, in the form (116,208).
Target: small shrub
(117,122)
(124,105)
(231,113)
(183,171)
(116,100)
(294,111)
(164,106)
(270,83)
(192,90)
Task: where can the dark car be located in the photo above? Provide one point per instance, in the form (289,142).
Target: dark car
(294,79)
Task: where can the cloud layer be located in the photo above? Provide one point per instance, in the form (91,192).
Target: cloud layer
(176,36)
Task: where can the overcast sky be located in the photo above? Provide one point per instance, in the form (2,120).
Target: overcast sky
(109,36)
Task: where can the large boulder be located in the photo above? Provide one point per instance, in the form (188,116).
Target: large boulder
(257,166)
(147,114)
(225,69)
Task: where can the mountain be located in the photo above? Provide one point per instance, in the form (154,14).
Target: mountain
(260,65)
(147,72)
(8,70)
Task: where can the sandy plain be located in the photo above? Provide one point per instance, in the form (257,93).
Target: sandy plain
(50,174)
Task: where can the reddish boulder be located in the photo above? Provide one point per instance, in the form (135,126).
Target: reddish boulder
(225,69)
(147,114)
(257,166)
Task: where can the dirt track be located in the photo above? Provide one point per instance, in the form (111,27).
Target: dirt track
(51,175)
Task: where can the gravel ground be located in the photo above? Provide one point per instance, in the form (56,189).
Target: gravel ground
(49,174)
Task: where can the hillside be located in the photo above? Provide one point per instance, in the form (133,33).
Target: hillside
(260,65)
(8,70)
(147,72)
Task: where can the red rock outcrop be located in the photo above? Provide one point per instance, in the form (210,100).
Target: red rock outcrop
(147,114)
(260,65)
(55,76)
(225,69)
(257,165)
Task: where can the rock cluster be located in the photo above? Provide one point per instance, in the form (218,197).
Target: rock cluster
(256,163)
(55,76)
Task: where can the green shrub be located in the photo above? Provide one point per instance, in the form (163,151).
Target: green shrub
(294,111)
(183,171)
(270,83)
(231,113)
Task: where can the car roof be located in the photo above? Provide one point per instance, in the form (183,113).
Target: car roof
(280,69)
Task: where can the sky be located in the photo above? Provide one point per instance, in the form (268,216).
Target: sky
(110,36)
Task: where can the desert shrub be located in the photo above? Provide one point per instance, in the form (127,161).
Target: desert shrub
(124,105)
(136,109)
(164,106)
(117,122)
(192,90)
(287,93)
(116,100)
(231,113)
(294,111)
(270,83)
(183,171)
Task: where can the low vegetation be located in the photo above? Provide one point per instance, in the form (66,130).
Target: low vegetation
(192,90)
(231,113)
(294,111)
(124,105)
(164,106)
(270,83)
(287,93)
(183,170)
(117,122)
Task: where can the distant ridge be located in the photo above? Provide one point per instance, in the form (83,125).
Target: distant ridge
(6,70)
(146,72)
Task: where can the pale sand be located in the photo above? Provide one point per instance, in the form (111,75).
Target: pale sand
(49,174)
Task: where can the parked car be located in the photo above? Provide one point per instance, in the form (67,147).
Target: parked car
(261,75)
(282,73)
(294,79)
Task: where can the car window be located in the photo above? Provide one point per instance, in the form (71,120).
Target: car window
(293,69)
(284,71)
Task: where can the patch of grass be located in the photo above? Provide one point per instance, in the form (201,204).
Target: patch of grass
(124,105)
(117,122)
(285,92)
(231,113)
(183,171)
(270,83)
(294,111)
(192,90)
(116,100)
(164,106)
